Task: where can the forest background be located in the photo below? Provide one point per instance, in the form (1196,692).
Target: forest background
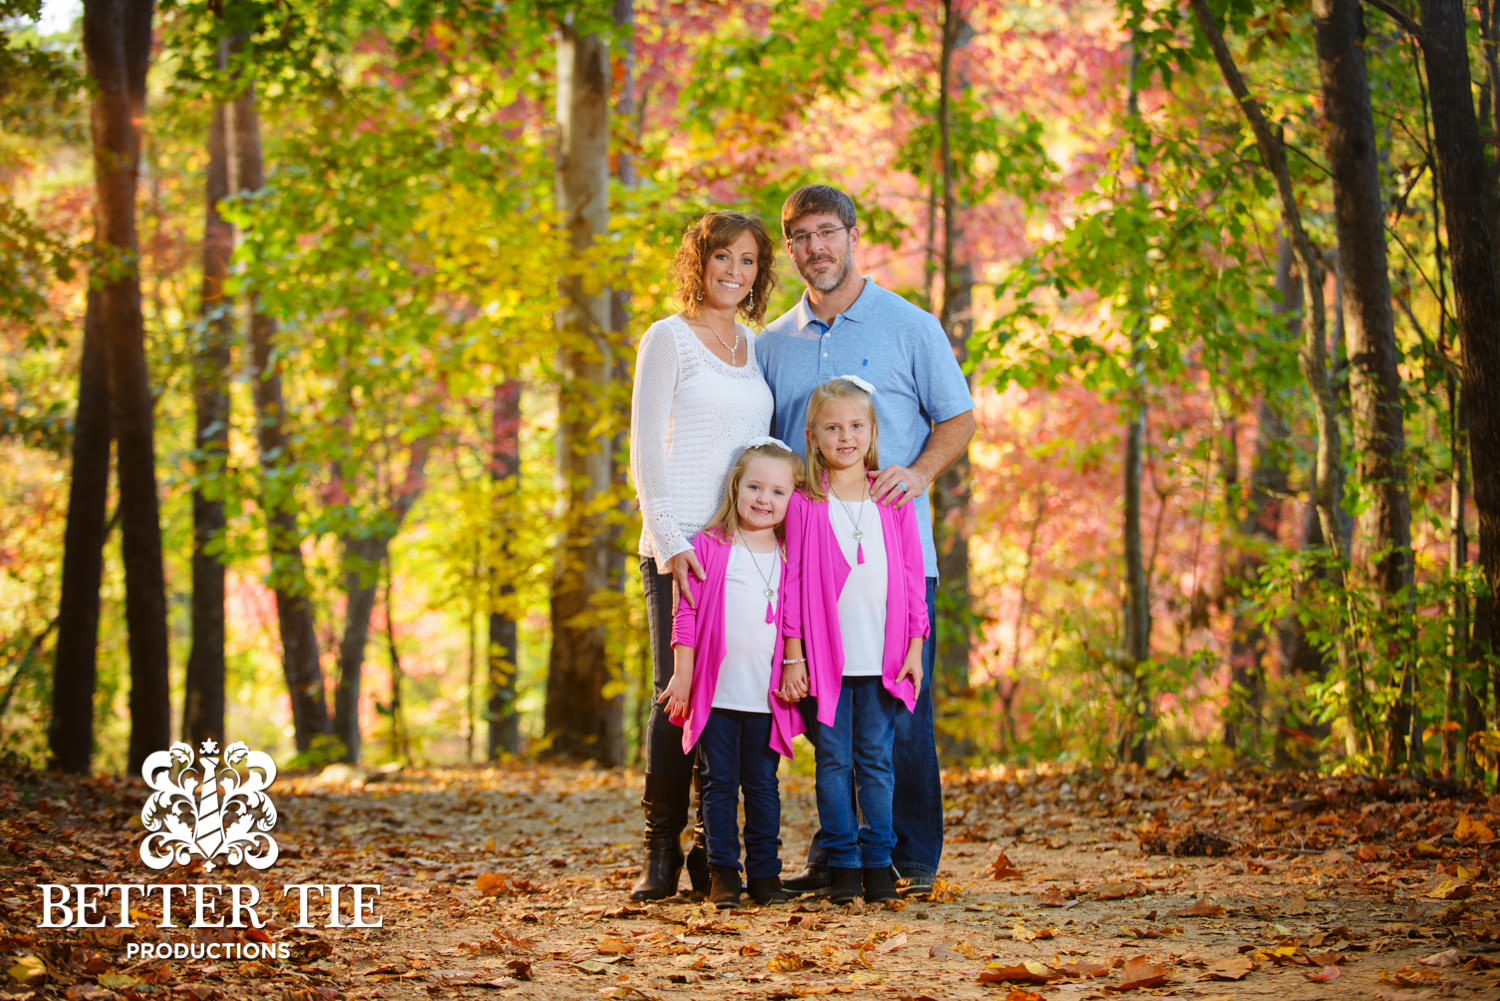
(319,321)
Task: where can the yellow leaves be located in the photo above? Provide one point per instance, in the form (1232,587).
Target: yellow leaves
(1411,975)
(28,971)
(1452,889)
(1486,747)
(1468,831)
(1021,933)
(786,962)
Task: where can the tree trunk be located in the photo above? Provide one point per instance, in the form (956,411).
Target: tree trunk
(278,476)
(1370,327)
(203,694)
(1137,610)
(504,650)
(70,735)
(1468,201)
(117,44)
(951,495)
(363,556)
(584,715)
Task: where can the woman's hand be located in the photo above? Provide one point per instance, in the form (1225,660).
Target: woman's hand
(683,566)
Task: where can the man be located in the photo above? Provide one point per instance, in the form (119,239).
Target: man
(846,324)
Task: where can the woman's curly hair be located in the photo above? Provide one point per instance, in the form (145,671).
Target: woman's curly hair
(714,232)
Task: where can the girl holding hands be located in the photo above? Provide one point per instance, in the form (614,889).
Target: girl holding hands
(727,649)
(854,633)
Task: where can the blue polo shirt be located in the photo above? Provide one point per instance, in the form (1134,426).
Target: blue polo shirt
(898,348)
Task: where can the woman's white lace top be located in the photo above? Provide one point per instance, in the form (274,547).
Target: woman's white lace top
(690,414)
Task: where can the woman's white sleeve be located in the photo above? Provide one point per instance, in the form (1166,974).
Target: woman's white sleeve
(650,416)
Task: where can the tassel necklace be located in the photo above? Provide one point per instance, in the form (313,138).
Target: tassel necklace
(859,545)
(765,578)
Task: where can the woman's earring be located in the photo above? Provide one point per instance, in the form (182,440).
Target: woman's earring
(750,300)
(699,296)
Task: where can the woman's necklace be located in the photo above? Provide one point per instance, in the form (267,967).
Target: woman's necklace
(859,545)
(731,348)
(765,578)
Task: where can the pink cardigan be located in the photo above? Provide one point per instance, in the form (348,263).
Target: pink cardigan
(818,570)
(702,628)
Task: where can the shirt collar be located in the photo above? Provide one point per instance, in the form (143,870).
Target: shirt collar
(858,311)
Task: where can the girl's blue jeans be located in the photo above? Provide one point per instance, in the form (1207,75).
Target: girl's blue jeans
(734,754)
(854,755)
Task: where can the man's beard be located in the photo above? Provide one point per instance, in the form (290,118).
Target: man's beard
(828,282)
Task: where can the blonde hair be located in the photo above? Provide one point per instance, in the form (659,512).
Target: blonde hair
(726,520)
(840,388)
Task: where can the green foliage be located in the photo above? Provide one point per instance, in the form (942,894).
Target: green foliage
(1355,696)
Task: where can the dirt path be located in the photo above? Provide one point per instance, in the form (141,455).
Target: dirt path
(513,882)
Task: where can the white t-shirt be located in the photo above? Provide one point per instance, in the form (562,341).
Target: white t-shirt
(690,415)
(862,602)
(749,640)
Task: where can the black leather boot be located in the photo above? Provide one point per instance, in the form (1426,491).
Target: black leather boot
(666,812)
(724,886)
(767,890)
(880,885)
(845,885)
(813,879)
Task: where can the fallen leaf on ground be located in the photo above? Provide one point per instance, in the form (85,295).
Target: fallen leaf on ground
(1028,972)
(1411,975)
(28,971)
(1051,897)
(1199,908)
(1450,957)
(785,962)
(896,941)
(615,947)
(1139,973)
(1229,968)
(1118,891)
(1468,831)
(1326,975)
(1003,868)
(1085,968)
(1450,889)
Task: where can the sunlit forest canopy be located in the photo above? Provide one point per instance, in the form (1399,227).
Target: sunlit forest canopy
(306,439)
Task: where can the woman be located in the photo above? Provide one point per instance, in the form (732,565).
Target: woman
(699,399)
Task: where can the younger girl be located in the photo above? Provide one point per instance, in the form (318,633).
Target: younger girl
(727,645)
(861,619)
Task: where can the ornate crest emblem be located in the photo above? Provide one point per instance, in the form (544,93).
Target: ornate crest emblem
(209,805)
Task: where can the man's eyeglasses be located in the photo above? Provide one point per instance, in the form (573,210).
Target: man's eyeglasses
(802,237)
